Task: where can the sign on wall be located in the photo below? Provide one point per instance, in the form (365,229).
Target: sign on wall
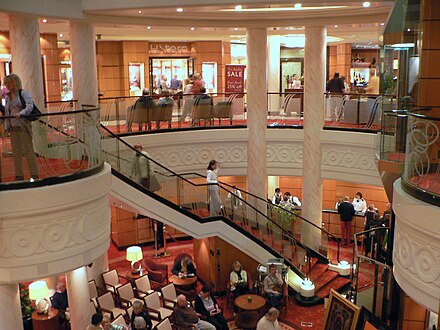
(234,81)
(159,48)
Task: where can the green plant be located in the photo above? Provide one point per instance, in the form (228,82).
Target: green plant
(26,302)
(283,217)
(389,83)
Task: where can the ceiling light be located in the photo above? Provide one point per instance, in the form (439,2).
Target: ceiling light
(297,6)
(44,20)
(61,35)
(366,4)
(140,11)
(382,24)
(335,26)
(179,10)
(235,29)
(148,27)
(238,7)
(272,9)
(409,30)
(193,28)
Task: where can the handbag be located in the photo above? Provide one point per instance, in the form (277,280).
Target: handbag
(35,113)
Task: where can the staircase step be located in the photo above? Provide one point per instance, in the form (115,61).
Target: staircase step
(324,279)
(317,271)
(335,284)
(305,268)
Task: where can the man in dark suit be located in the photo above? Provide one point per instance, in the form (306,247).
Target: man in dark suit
(346,210)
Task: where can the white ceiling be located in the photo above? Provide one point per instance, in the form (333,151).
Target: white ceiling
(128,20)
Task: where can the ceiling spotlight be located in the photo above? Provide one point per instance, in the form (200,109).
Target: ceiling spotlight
(44,20)
(61,35)
(335,26)
(179,10)
(366,4)
(297,6)
(238,7)
(140,11)
(193,28)
(409,30)
(382,24)
(235,29)
(148,27)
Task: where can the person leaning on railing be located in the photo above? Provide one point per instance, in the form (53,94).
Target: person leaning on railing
(19,127)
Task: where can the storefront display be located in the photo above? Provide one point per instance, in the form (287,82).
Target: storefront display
(136,74)
(209,74)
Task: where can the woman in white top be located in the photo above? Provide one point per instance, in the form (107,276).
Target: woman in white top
(360,205)
(238,280)
(214,198)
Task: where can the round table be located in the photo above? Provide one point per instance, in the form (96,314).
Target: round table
(250,307)
(45,322)
(183,281)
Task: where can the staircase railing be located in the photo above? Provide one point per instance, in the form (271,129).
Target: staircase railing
(372,276)
(193,198)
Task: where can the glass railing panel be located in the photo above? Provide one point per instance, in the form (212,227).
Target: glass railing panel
(285,109)
(61,106)
(422,162)
(53,146)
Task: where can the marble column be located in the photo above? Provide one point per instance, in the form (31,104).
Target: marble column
(272,183)
(273,63)
(78,291)
(99,266)
(314,87)
(84,71)
(26,55)
(257,114)
(10,307)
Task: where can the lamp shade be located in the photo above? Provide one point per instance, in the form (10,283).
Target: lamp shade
(38,290)
(134,253)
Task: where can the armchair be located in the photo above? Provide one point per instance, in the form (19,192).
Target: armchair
(156,272)
(107,304)
(143,287)
(111,280)
(126,295)
(165,324)
(154,308)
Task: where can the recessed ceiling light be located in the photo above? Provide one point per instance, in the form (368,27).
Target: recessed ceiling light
(193,28)
(366,4)
(297,5)
(335,26)
(382,24)
(238,7)
(235,29)
(148,27)
(408,30)
(179,10)
(44,20)
(61,35)
(140,11)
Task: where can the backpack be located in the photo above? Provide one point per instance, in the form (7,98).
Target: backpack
(35,113)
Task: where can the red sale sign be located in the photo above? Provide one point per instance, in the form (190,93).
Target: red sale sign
(234,74)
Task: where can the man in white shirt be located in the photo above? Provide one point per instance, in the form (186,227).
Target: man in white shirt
(270,320)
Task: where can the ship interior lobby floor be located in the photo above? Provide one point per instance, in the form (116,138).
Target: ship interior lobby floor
(296,314)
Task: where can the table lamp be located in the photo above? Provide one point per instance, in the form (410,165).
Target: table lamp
(134,254)
(38,291)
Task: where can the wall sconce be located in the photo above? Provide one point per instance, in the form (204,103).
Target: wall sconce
(134,254)
(38,291)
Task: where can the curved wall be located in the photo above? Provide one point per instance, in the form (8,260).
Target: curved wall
(348,156)
(54,229)
(417,248)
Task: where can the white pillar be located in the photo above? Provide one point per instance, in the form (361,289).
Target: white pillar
(314,87)
(257,113)
(10,307)
(273,63)
(99,266)
(79,298)
(273,182)
(84,71)
(26,55)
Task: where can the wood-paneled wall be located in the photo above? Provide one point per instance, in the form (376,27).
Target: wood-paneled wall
(110,68)
(49,48)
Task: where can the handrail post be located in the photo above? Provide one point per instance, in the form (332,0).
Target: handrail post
(118,123)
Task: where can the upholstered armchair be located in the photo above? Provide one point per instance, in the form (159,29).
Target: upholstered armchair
(157,273)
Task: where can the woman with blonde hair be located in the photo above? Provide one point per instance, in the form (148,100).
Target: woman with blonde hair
(238,280)
(18,105)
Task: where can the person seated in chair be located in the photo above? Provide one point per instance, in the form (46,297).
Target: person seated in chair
(273,287)
(184,266)
(208,309)
(238,280)
(165,100)
(186,317)
(139,312)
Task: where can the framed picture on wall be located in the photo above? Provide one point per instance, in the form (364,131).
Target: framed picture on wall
(340,314)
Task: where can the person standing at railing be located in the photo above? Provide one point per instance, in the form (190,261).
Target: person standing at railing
(214,197)
(346,211)
(188,99)
(360,205)
(142,170)
(18,104)
(336,88)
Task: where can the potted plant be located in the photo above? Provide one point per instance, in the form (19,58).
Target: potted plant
(26,307)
